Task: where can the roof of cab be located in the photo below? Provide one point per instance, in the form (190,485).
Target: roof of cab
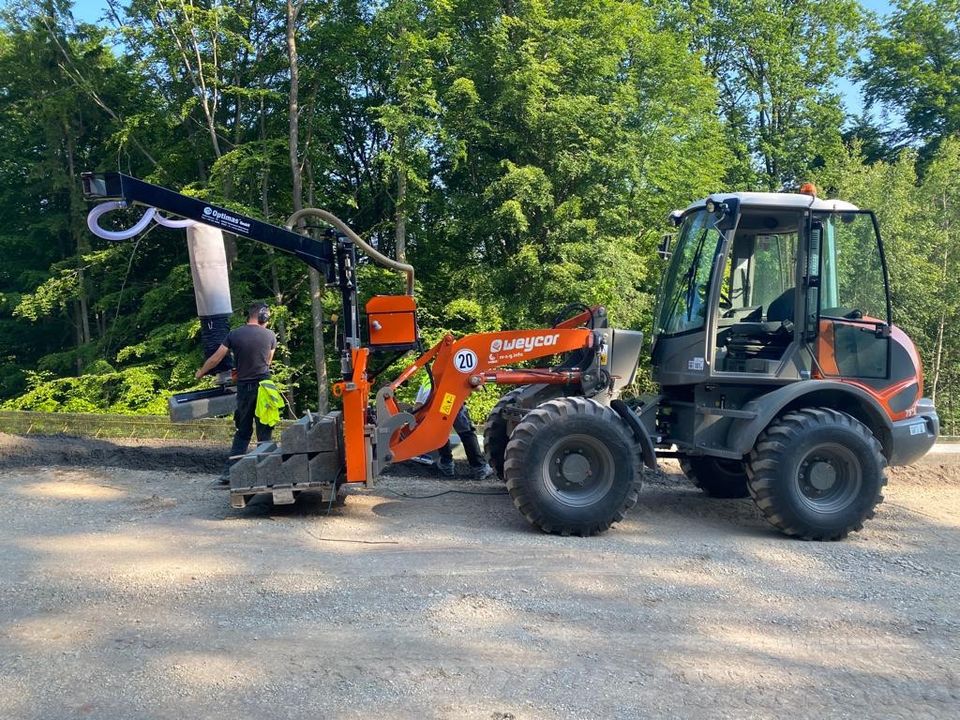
(777,200)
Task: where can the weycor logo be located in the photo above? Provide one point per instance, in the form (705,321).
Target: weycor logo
(526,344)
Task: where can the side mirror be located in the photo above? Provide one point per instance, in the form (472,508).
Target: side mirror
(663,249)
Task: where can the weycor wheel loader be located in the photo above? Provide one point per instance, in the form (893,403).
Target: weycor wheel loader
(781,375)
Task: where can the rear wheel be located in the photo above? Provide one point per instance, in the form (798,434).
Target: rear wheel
(571,467)
(717,477)
(817,474)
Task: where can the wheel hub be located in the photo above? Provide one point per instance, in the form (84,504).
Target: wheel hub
(822,475)
(579,470)
(575,468)
(829,478)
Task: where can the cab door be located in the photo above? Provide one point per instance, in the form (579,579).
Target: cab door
(847,303)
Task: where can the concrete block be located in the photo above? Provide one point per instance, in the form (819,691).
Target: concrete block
(290,471)
(293,439)
(203,404)
(323,434)
(326,434)
(244,473)
(325,467)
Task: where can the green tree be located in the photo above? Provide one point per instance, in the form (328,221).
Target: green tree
(913,67)
(568,131)
(775,64)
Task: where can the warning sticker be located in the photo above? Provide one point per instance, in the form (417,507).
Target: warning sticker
(447,405)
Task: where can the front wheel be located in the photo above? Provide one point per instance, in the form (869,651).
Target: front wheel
(571,467)
(817,474)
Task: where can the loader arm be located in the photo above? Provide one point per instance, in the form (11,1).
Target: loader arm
(461,366)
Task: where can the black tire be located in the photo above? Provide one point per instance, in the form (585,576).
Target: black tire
(496,433)
(717,477)
(817,474)
(572,467)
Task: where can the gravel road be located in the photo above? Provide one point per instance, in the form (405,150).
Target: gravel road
(138,593)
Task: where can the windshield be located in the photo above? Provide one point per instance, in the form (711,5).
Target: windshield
(683,303)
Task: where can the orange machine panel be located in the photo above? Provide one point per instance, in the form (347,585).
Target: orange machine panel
(392,320)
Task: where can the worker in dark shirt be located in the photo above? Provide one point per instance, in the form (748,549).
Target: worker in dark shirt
(253,346)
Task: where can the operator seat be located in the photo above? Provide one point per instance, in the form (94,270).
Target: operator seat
(757,347)
(783,306)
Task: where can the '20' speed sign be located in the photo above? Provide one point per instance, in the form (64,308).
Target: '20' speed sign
(465,361)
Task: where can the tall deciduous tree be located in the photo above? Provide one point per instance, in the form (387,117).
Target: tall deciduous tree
(775,63)
(913,66)
(296,168)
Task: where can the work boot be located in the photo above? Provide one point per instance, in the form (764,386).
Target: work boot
(446,468)
(482,472)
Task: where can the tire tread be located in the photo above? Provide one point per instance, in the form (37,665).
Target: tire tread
(763,467)
(517,448)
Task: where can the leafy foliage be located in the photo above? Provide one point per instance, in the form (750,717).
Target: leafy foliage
(522,155)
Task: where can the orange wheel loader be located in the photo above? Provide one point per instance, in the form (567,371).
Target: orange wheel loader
(781,374)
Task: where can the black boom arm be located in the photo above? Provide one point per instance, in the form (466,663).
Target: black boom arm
(318,254)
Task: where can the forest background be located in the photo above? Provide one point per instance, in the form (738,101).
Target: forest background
(522,154)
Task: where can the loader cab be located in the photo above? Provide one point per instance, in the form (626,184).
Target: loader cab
(757,286)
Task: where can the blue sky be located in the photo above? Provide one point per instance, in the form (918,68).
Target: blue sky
(93,11)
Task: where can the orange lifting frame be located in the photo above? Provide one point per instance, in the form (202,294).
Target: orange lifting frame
(459,368)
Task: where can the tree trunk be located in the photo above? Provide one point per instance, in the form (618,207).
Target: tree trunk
(316,286)
(401,215)
(938,357)
(274,276)
(941,327)
(81,244)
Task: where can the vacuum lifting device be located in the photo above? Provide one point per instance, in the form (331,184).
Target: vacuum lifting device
(781,374)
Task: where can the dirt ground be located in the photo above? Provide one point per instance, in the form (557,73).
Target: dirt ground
(130,589)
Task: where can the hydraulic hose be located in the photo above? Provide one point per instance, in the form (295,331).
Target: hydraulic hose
(368,249)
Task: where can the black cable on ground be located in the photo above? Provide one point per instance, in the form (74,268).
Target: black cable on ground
(444,492)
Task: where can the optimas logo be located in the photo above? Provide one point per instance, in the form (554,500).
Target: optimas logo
(231,222)
(217,215)
(526,344)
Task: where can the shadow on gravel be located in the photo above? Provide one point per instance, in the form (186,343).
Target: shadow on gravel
(412,607)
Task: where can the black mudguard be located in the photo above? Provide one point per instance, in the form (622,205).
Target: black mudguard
(634,422)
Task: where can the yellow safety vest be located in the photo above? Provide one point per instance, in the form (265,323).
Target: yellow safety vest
(269,403)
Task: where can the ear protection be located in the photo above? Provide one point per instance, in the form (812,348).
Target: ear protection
(263,315)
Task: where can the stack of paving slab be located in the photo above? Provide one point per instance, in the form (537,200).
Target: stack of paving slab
(309,456)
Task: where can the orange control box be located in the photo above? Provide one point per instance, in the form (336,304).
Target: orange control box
(392,321)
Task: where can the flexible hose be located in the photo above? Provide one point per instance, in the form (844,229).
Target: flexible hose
(151,214)
(167,222)
(117,235)
(368,249)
